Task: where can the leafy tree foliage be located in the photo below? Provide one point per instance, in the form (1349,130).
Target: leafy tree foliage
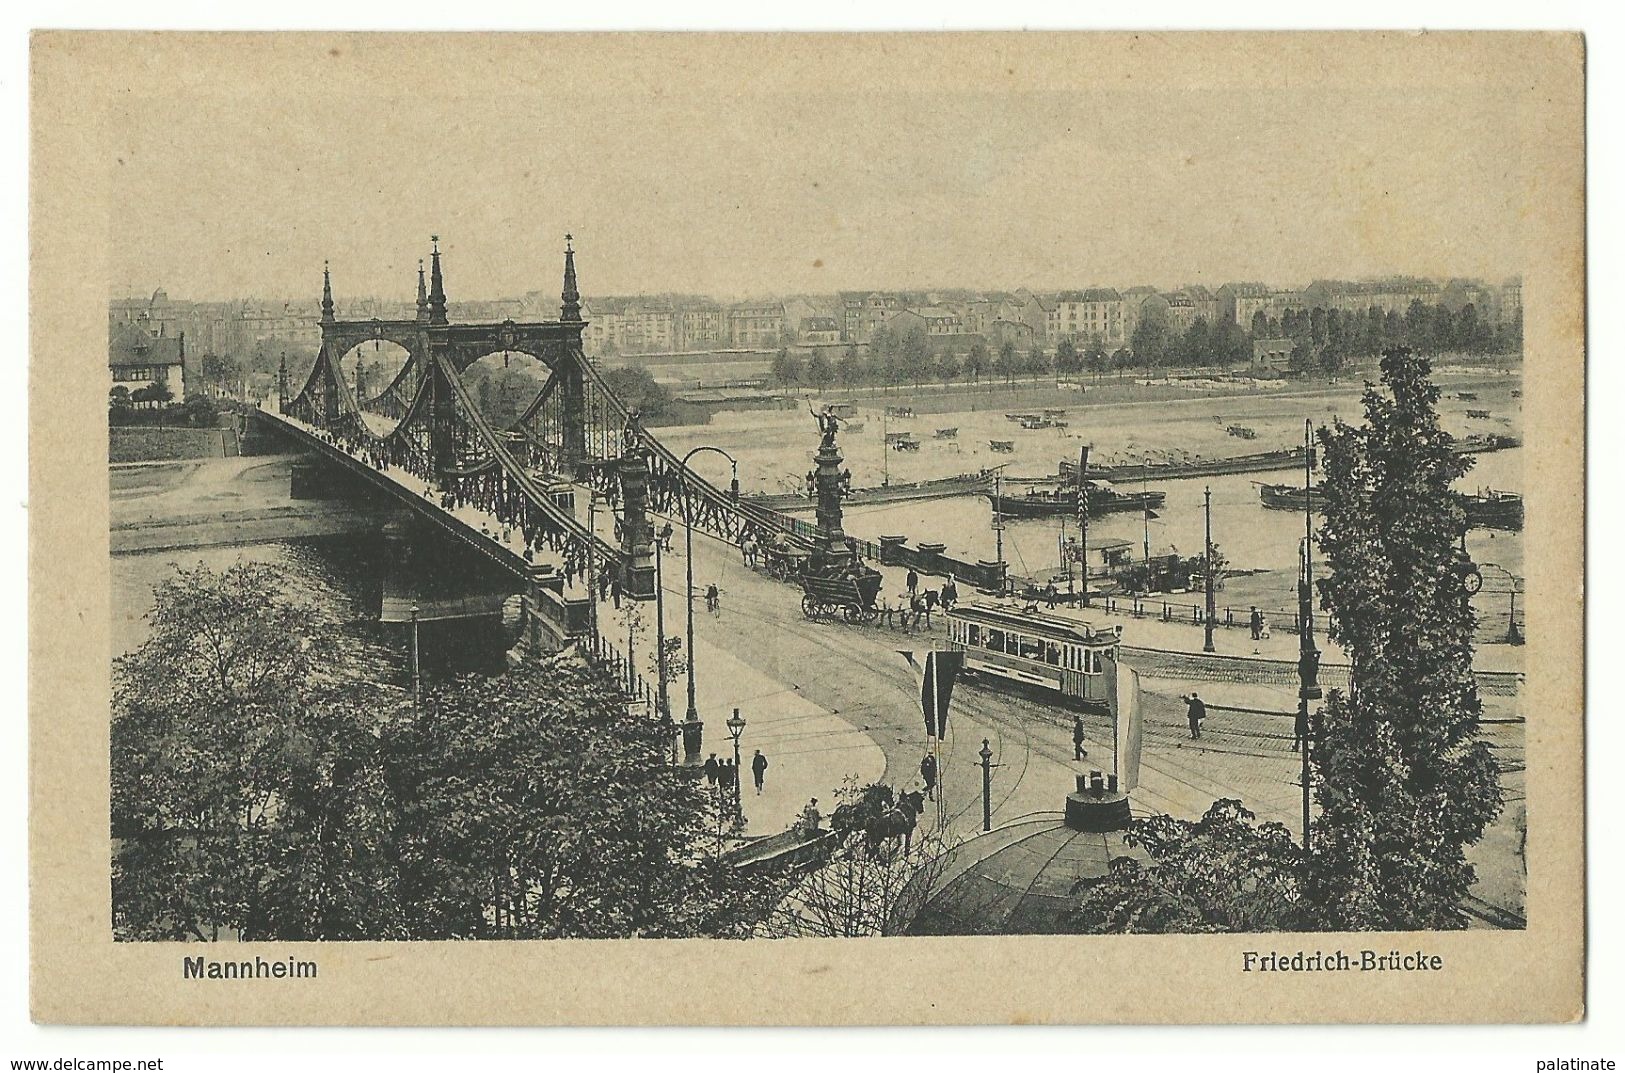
(637,387)
(1222,873)
(818,372)
(262,790)
(786,368)
(1403,780)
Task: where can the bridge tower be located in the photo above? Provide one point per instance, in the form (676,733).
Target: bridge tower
(572,394)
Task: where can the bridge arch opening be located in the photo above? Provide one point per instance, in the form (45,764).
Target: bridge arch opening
(504,383)
(371,369)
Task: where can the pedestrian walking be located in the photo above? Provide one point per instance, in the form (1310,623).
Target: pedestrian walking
(1257,620)
(665,536)
(1078,751)
(913,584)
(887,610)
(713,598)
(1263,626)
(712,769)
(758,770)
(727,775)
(615,591)
(1050,595)
(1300,728)
(950,594)
(928,772)
(1195,712)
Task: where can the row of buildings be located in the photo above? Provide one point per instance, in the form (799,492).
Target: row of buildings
(951,318)
(1097,314)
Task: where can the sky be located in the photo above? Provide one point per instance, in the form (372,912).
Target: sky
(775,191)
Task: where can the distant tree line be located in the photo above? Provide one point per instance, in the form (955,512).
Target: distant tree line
(1324,340)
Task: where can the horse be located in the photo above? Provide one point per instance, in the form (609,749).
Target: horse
(899,819)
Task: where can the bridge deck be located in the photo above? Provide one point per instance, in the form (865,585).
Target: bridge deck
(478,529)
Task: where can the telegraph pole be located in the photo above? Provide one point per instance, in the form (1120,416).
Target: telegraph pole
(662,697)
(1308,655)
(417,676)
(1207,625)
(1083,518)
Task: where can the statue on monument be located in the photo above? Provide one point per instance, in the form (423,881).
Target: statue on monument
(828,424)
(632,431)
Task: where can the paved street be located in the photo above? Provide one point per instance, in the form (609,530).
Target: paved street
(857,675)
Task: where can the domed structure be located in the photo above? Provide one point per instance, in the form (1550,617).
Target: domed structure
(1023,877)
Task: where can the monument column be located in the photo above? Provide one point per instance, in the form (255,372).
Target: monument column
(830,484)
(637,545)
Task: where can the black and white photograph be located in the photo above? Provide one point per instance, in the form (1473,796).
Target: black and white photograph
(607,502)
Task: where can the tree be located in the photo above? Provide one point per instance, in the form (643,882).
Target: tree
(947,367)
(1008,361)
(1037,362)
(200,411)
(818,372)
(119,405)
(1068,362)
(914,357)
(156,393)
(786,368)
(1150,343)
(638,389)
(1097,358)
(207,717)
(849,370)
(1403,780)
(976,361)
(262,789)
(882,350)
(1221,873)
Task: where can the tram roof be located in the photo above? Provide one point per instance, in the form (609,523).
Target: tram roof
(1036,622)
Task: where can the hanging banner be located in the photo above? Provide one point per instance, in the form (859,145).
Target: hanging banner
(941,668)
(1123,694)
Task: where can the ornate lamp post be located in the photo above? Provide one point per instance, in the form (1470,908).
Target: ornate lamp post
(736,727)
(691,719)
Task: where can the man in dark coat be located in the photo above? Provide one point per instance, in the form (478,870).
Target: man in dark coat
(1078,751)
(1300,728)
(758,769)
(1257,621)
(913,581)
(1195,712)
(928,772)
(712,769)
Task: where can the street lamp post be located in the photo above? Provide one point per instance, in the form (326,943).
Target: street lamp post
(736,727)
(692,717)
(987,786)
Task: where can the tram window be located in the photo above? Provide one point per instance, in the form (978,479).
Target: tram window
(1052,654)
(995,640)
(973,635)
(1031,648)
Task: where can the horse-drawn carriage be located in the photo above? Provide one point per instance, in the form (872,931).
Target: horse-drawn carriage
(849,595)
(784,559)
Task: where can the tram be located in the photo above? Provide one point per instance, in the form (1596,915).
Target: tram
(1058,654)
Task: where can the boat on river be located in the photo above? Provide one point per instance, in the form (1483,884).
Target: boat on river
(1050,503)
(1291,496)
(1173,468)
(1492,509)
(1001,447)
